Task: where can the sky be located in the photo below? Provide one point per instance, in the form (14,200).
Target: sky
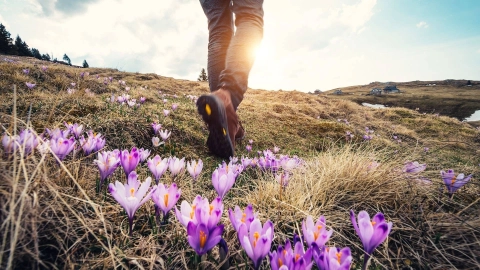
(307,44)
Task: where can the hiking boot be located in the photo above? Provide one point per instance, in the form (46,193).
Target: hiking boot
(240,135)
(217,111)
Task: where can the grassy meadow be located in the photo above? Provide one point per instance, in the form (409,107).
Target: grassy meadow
(52,218)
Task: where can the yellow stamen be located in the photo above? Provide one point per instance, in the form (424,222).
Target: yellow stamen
(339,256)
(165,199)
(193,211)
(297,256)
(224,132)
(373,223)
(317,232)
(203,239)
(280,263)
(244,217)
(284,252)
(208,109)
(256,235)
(132,192)
(211,208)
(453,180)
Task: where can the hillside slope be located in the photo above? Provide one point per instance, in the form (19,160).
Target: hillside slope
(52,216)
(454,98)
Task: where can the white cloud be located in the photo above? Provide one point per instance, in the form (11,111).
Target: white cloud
(321,47)
(422,24)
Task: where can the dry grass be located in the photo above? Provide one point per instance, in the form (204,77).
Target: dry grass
(51,216)
(449,97)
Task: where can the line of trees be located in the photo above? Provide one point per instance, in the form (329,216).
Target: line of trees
(20,47)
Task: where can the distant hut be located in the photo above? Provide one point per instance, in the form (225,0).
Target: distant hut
(391,89)
(376,91)
(317,91)
(338,92)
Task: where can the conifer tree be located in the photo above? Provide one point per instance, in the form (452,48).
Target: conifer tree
(22,47)
(36,54)
(85,64)
(6,42)
(67,59)
(46,57)
(203,76)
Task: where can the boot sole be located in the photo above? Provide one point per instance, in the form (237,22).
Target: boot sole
(213,113)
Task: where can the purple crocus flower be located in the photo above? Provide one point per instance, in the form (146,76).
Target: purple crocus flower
(99,143)
(367,137)
(349,135)
(58,133)
(156,127)
(144,154)
(316,233)
(26,71)
(250,141)
(131,195)
(238,217)
(176,166)
(157,166)
(28,140)
(249,148)
(223,181)
(256,240)
(371,232)
(30,85)
(195,168)
(201,238)
(166,112)
(61,147)
(75,128)
(425,149)
(129,160)
(174,106)
(107,163)
(333,258)
(302,259)
(166,197)
(44,68)
(276,149)
(280,258)
(282,178)
(9,143)
(414,167)
(201,211)
(453,182)
(88,145)
(143,99)
(165,134)
(156,142)
(288,164)
(246,161)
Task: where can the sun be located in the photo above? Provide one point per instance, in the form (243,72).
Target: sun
(262,53)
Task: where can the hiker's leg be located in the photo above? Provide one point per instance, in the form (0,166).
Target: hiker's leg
(220,32)
(240,54)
